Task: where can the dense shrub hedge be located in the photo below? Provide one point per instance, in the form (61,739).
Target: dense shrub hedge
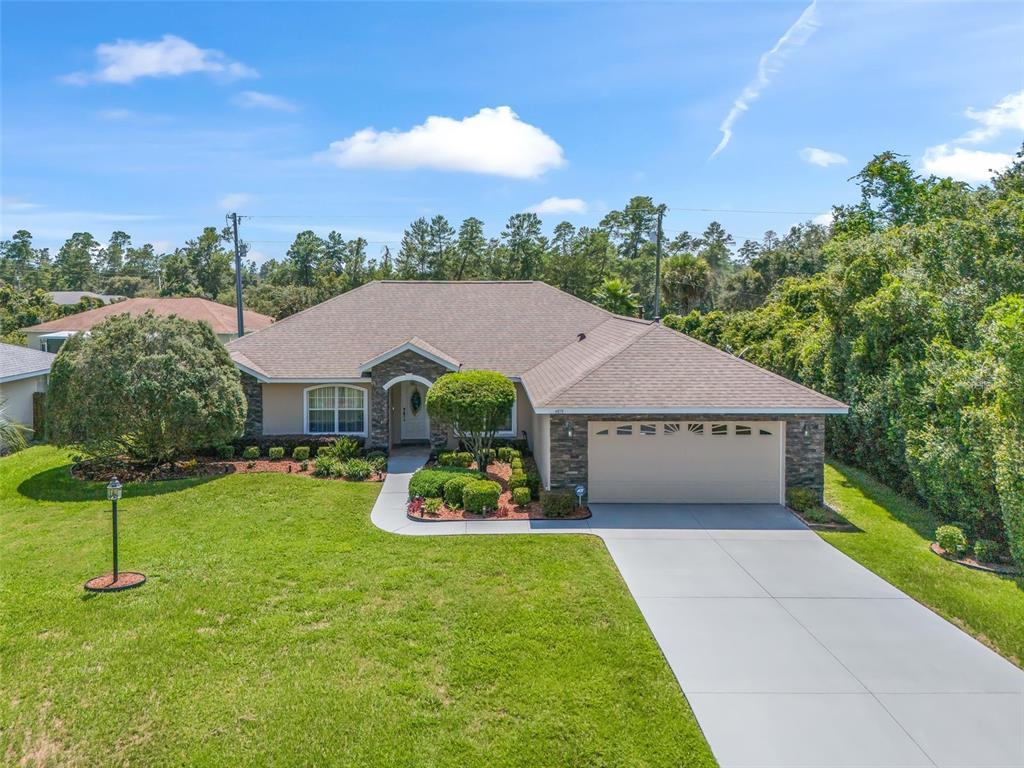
(430,482)
(453,488)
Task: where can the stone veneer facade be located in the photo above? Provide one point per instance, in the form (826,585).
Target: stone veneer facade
(380,402)
(805,456)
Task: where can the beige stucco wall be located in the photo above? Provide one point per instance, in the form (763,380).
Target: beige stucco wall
(283,407)
(540,444)
(19,398)
(33,341)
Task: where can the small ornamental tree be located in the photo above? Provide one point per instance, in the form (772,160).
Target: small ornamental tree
(475,404)
(149,388)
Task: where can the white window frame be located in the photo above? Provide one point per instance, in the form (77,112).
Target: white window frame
(366,410)
(515,420)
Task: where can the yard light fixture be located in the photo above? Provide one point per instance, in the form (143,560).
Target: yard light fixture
(115,581)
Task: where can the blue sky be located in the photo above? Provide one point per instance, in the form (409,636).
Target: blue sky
(159,118)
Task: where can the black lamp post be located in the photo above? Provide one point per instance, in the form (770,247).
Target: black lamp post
(115,581)
(114,493)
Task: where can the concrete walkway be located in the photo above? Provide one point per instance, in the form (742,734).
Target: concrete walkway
(790,653)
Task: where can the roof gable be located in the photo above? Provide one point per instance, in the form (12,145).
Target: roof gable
(220,317)
(420,347)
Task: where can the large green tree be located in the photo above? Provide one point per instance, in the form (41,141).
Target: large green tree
(150,388)
(474,404)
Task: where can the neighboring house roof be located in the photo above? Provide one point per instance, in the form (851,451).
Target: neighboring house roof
(23,363)
(220,317)
(73,297)
(570,355)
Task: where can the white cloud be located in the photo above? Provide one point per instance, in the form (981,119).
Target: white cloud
(162,246)
(975,165)
(125,61)
(259,100)
(823,219)
(1007,115)
(493,141)
(559,205)
(769,64)
(971,165)
(821,157)
(235,200)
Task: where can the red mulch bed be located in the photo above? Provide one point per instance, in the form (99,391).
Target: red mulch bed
(106,583)
(507,509)
(200,467)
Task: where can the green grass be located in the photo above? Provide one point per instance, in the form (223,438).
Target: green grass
(279,627)
(893,542)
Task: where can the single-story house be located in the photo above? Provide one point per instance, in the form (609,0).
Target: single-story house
(66,298)
(50,335)
(23,372)
(632,410)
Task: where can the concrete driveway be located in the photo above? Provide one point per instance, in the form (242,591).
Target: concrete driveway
(790,653)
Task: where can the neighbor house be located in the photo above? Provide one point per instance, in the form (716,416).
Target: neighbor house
(67,298)
(220,317)
(628,408)
(23,372)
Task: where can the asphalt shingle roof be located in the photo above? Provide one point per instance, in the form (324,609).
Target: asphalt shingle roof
(569,354)
(20,362)
(218,316)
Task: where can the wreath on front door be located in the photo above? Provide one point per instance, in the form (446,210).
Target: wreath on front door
(415,401)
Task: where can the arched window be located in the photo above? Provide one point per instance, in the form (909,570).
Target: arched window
(335,410)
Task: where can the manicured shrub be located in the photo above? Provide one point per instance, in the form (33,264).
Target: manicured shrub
(251,452)
(514,453)
(326,466)
(300,452)
(985,550)
(504,454)
(454,487)
(518,480)
(226,452)
(430,482)
(342,449)
(481,496)
(557,503)
(801,499)
(533,483)
(276,453)
(355,469)
(517,465)
(521,496)
(455,459)
(432,506)
(951,539)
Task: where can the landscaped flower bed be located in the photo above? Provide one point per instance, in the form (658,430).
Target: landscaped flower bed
(440,493)
(343,459)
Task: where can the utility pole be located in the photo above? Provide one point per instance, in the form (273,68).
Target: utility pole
(657,269)
(238,274)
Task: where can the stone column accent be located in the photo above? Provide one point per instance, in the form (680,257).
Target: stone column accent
(380,412)
(253,392)
(805,454)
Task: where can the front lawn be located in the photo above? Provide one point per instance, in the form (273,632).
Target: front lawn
(279,627)
(893,542)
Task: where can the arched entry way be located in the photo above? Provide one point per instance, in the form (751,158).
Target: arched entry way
(407,408)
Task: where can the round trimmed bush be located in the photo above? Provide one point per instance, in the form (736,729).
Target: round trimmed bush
(480,496)
(521,496)
(986,551)
(226,452)
(300,452)
(454,487)
(276,452)
(951,539)
(429,483)
(518,480)
(251,452)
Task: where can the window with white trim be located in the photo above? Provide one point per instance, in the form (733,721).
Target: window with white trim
(508,426)
(336,410)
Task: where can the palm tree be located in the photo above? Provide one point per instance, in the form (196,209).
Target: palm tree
(12,436)
(615,296)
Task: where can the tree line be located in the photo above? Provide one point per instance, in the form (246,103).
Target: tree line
(611,264)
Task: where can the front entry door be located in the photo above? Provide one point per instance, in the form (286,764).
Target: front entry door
(413,411)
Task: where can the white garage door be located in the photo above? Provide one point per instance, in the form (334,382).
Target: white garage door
(686,461)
